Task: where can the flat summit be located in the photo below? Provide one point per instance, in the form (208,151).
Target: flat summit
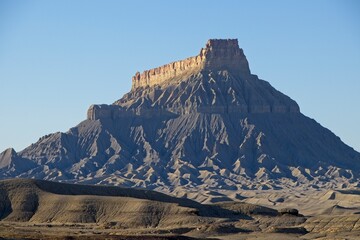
(194,128)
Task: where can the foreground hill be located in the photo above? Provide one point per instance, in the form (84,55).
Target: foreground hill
(42,201)
(194,128)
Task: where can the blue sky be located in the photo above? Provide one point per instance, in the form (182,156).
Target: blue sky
(59,57)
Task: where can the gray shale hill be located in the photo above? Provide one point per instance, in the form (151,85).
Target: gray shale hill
(194,128)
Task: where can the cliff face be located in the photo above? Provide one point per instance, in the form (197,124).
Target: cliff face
(218,54)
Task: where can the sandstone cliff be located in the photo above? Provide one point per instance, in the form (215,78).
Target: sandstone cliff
(218,54)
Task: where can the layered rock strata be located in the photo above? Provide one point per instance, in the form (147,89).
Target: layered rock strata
(217,54)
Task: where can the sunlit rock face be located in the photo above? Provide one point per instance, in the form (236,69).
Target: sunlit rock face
(218,54)
(194,128)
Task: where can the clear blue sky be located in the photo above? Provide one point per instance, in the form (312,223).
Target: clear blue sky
(59,57)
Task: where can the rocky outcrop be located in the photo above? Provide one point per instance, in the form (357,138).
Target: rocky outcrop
(6,157)
(104,111)
(218,54)
(115,112)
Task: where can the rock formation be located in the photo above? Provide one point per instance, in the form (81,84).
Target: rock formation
(217,55)
(194,128)
(218,80)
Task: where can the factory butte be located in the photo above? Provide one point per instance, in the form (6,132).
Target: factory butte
(204,128)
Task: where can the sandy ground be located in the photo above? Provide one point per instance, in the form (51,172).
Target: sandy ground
(90,231)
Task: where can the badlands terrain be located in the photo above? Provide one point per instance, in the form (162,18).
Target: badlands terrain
(38,209)
(198,148)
